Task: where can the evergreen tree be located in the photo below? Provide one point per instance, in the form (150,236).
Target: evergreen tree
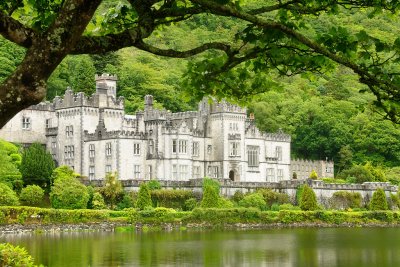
(37,166)
(308,200)
(7,196)
(313,175)
(378,201)
(144,198)
(210,197)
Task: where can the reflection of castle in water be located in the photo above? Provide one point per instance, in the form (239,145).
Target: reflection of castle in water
(94,136)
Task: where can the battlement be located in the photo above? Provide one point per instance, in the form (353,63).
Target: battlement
(43,106)
(105,76)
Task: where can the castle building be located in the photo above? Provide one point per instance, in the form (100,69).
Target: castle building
(94,136)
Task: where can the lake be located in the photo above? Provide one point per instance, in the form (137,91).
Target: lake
(271,247)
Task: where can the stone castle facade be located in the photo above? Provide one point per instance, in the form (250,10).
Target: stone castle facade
(94,136)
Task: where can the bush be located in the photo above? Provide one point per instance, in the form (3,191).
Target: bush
(210,197)
(126,202)
(288,206)
(359,172)
(342,200)
(14,256)
(271,197)
(154,185)
(313,175)
(98,201)
(112,189)
(299,193)
(32,195)
(237,196)
(67,192)
(308,200)
(378,201)
(170,198)
(190,204)
(395,201)
(255,200)
(333,181)
(144,198)
(7,196)
(224,203)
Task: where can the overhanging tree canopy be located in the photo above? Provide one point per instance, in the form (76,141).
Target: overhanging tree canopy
(275,36)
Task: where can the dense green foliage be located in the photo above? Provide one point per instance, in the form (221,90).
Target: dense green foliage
(10,160)
(32,195)
(14,256)
(170,198)
(112,189)
(144,198)
(342,200)
(7,196)
(210,197)
(255,200)
(308,199)
(67,192)
(37,166)
(271,197)
(98,201)
(378,201)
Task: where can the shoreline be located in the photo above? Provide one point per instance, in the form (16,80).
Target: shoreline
(11,229)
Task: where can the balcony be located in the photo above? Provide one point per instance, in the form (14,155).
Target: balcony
(52,131)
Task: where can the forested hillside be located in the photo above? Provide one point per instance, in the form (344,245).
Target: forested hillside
(328,112)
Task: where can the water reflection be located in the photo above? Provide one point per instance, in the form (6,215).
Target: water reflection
(274,247)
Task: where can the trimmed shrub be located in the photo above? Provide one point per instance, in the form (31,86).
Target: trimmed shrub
(342,200)
(313,175)
(210,196)
(308,200)
(32,195)
(67,192)
(98,201)
(333,181)
(7,196)
(237,196)
(299,193)
(378,201)
(153,185)
(14,256)
(255,200)
(144,198)
(190,204)
(288,206)
(170,198)
(271,197)
(126,202)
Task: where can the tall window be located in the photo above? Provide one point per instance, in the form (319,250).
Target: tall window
(151,147)
(136,171)
(149,173)
(174,146)
(174,171)
(69,131)
(270,175)
(252,156)
(196,172)
(26,123)
(108,149)
(280,174)
(278,152)
(48,123)
(69,152)
(91,151)
(213,171)
(183,172)
(183,146)
(136,149)
(196,148)
(91,172)
(108,169)
(234,149)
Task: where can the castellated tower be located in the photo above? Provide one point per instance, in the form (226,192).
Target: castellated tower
(106,84)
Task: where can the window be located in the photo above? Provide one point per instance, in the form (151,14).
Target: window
(91,151)
(278,152)
(69,131)
(280,174)
(196,172)
(69,152)
(183,146)
(252,156)
(151,147)
(209,149)
(149,173)
(213,171)
(174,146)
(234,149)
(108,169)
(53,145)
(196,148)
(270,175)
(183,172)
(108,149)
(136,149)
(136,171)
(91,172)
(174,171)
(48,123)
(26,123)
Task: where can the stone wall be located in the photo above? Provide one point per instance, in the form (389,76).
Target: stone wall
(322,190)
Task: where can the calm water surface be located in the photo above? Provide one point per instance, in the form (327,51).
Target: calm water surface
(275,247)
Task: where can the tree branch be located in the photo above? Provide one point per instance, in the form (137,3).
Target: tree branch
(15,31)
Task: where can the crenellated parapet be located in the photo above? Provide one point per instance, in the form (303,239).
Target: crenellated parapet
(279,137)
(225,107)
(43,106)
(155,114)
